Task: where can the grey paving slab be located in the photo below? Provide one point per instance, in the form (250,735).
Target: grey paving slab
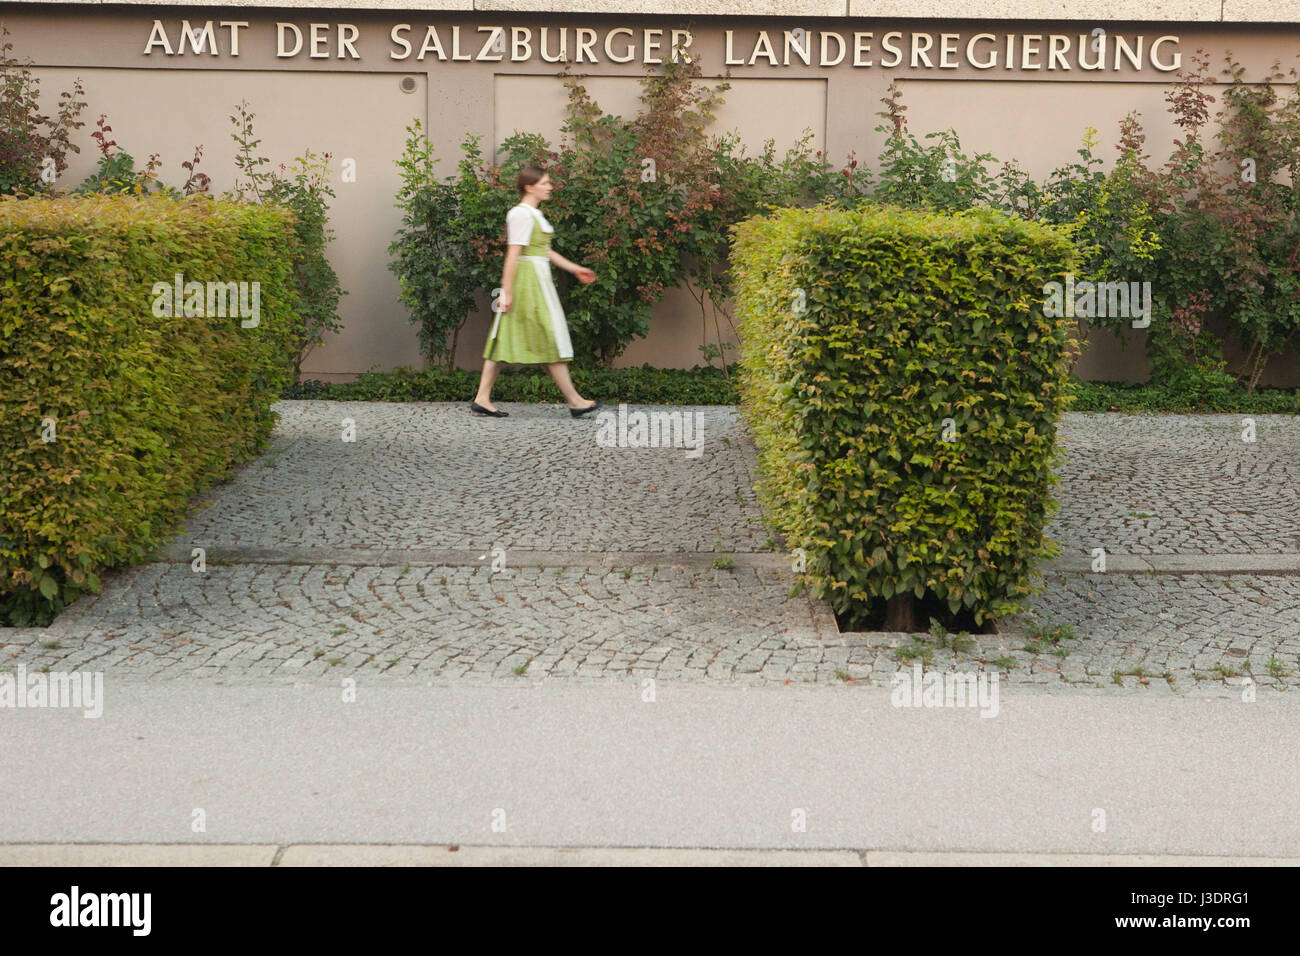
(126,854)
(556,764)
(886,858)
(1179,564)
(372,854)
(397,636)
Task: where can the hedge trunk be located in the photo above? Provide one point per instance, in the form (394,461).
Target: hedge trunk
(900,613)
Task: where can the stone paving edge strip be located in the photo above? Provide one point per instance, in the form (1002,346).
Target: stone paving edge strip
(1288,563)
(515,557)
(1180,564)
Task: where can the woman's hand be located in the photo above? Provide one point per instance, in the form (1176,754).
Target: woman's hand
(584,275)
(503,303)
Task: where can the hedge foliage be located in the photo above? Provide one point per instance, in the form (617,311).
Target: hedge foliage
(142,410)
(636,386)
(865,333)
(1130,397)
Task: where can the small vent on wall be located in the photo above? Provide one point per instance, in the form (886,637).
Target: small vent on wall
(409,85)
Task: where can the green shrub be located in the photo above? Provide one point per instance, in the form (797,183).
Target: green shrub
(111,416)
(939,176)
(33,147)
(451,245)
(636,386)
(908,319)
(628,201)
(643,201)
(301,189)
(114,173)
(1227,222)
(1131,397)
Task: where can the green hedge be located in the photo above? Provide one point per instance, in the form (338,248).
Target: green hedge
(1129,397)
(146,409)
(636,386)
(908,319)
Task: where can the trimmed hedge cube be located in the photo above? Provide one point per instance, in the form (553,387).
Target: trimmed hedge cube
(904,387)
(119,400)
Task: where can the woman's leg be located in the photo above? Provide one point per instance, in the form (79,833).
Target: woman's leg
(485,383)
(560,372)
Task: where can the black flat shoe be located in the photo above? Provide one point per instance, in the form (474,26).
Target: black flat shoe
(478,409)
(579,412)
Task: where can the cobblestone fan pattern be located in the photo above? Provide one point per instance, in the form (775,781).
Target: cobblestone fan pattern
(425,477)
(278,620)
(1179,484)
(1153,633)
(431,475)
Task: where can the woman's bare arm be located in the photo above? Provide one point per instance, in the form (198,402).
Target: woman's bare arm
(560,262)
(584,274)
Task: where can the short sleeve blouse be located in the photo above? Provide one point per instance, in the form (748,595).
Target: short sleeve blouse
(519,224)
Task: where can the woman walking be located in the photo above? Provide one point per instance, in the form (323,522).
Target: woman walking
(529,326)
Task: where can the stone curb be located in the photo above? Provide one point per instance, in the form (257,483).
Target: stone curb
(518,558)
(1179,564)
(366,854)
(515,558)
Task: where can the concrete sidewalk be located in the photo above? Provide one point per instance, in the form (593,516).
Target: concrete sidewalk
(369,854)
(568,764)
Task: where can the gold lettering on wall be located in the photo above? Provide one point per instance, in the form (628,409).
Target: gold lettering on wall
(905,49)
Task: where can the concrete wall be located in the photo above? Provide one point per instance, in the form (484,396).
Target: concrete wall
(356,109)
(1151,11)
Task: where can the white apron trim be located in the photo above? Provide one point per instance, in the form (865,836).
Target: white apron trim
(559,328)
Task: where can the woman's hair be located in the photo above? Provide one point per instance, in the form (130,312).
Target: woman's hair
(528,176)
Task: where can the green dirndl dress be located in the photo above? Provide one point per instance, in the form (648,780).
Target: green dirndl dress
(534,331)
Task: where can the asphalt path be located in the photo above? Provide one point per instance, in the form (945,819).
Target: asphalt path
(596,765)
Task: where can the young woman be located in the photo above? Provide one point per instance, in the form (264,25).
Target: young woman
(529,328)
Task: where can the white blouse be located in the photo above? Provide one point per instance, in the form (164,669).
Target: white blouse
(519,224)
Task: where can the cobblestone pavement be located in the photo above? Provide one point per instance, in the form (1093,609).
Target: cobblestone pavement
(1162,632)
(431,476)
(373,558)
(1179,484)
(424,475)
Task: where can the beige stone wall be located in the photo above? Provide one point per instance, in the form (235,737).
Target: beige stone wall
(1150,11)
(357,110)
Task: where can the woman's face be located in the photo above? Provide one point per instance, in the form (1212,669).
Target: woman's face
(542,188)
